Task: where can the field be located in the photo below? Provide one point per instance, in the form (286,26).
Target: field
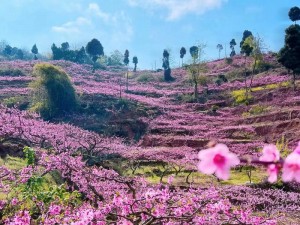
(129,156)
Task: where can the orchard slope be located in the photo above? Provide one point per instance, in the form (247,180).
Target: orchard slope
(172,141)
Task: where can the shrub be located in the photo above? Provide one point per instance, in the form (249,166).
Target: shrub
(146,77)
(240,97)
(53,92)
(263,66)
(228,61)
(19,102)
(256,110)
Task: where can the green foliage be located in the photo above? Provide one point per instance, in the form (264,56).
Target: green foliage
(247,47)
(194,50)
(135,61)
(289,55)
(228,61)
(115,58)
(240,97)
(294,14)
(146,77)
(182,52)
(95,49)
(282,146)
(35,51)
(53,91)
(126,57)
(246,34)
(256,110)
(262,66)
(19,102)
(29,154)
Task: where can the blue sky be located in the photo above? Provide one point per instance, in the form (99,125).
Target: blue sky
(144,27)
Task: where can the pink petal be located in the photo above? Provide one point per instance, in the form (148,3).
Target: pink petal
(287,175)
(207,167)
(232,160)
(223,173)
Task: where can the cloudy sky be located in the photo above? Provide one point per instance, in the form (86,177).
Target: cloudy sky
(144,27)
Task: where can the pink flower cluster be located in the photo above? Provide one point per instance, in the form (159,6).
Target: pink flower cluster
(218,160)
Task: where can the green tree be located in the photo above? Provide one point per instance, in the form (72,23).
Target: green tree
(53,92)
(7,50)
(135,61)
(256,46)
(115,59)
(232,44)
(126,57)
(220,48)
(246,34)
(20,54)
(95,49)
(289,55)
(81,56)
(294,14)
(166,66)
(182,54)
(197,68)
(35,51)
(126,61)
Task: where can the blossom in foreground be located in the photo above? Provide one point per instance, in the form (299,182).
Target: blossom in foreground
(217,160)
(271,154)
(291,168)
(273,173)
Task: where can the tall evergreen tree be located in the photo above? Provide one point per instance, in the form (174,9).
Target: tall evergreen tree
(35,51)
(135,61)
(232,44)
(166,66)
(182,54)
(289,55)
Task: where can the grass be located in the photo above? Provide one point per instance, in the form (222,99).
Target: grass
(236,178)
(240,95)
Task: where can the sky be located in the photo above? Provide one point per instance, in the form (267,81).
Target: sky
(144,27)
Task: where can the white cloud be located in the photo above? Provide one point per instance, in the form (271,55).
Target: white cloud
(115,28)
(72,26)
(179,8)
(94,9)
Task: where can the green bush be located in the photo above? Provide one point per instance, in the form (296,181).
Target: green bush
(53,92)
(228,61)
(240,97)
(256,110)
(146,77)
(19,102)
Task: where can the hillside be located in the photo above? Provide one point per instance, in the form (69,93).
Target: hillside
(162,126)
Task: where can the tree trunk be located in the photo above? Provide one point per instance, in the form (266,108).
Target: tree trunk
(127,80)
(167,75)
(253,70)
(134,70)
(196,95)
(246,88)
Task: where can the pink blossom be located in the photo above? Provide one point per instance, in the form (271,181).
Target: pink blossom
(54,210)
(14,201)
(273,173)
(270,154)
(217,160)
(291,168)
(297,150)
